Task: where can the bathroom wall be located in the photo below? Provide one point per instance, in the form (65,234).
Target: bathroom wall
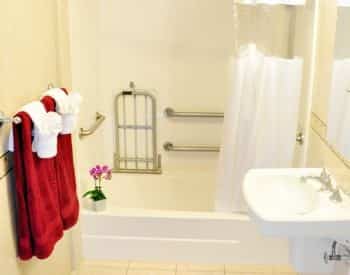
(342,45)
(320,154)
(181,50)
(33,52)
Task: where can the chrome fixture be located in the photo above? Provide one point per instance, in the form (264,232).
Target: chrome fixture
(87,132)
(334,256)
(5,165)
(169,112)
(136,136)
(300,138)
(4,119)
(326,181)
(168,146)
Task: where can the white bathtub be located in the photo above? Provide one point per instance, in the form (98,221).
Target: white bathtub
(174,236)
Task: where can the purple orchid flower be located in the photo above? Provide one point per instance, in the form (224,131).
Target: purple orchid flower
(101,172)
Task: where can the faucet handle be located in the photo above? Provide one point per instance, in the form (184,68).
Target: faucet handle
(336,196)
(325,175)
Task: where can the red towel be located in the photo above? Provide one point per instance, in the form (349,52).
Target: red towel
(46,197)
(64,163)
(39,223)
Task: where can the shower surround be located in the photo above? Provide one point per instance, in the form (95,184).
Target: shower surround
(182,51)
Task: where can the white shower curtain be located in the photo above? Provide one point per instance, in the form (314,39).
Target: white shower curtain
(260,122)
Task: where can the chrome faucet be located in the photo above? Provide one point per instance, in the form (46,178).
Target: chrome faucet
(334,256)
(326,181)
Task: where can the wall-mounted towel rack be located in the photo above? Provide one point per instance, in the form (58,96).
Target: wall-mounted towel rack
(4,119)
(168,146)
(169,112)
(87,132)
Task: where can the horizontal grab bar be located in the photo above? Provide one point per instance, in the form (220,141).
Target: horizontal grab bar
(168,146)
(172,113)
(87,132)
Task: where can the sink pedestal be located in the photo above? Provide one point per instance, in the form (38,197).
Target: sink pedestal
(306,255)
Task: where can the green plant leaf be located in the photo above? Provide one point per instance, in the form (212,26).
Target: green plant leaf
(95,195)
(88,193)
(98,195)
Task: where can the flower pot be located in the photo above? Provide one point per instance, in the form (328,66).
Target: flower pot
(99,205)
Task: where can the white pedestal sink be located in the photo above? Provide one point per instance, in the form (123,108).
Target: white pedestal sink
(284,205)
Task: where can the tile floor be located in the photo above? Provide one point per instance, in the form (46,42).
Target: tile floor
(149,268)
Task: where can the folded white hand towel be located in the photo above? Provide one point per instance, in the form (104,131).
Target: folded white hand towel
(10,143)
(45,135)
(67,106)
(47,126)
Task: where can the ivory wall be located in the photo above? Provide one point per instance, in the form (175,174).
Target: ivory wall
(34,51)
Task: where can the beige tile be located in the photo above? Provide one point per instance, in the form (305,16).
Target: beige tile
(200,273)
(279,269)
(150,272)
(84,271)
(246,269)
(103,268)
(105,263)
(107,271)
(135,265)
(203,267)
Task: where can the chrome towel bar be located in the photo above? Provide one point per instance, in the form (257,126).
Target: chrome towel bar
(168,146)
(87,132)
(4,119)
(169,112)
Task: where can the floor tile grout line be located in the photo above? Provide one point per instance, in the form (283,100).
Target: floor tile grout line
(127,268)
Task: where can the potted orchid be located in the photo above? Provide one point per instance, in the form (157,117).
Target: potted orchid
(98,173)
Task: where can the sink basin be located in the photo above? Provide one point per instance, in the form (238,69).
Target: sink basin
(284,205)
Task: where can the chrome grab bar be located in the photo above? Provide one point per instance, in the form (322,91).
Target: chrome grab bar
(168,146)
(87,132)
(169,112)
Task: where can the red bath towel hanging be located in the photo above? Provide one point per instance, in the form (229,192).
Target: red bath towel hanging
(64,163)
(39,223)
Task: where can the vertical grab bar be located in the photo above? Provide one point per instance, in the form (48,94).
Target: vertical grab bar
(135,134)
(146,132)
(124,131)
(156,158)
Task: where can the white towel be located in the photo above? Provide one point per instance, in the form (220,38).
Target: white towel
(47,126)
(338,122)
(272,2)
(67,106)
